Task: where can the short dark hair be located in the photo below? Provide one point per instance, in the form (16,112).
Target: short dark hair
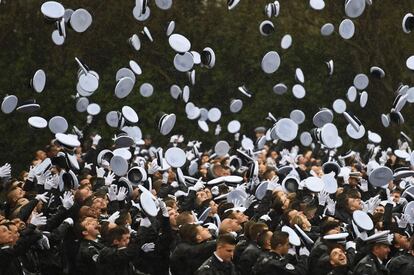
(279,238)
(188,232)
(117,233)
(256,229)
(227,238)
(327,226)
(184,218)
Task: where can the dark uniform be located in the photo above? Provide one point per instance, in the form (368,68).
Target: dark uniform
(343,270)
(86,261)
(113,260)
(9,262)
(272,263)
(248,258)
(369,265)
(213,266)
(402,265)
(187,257)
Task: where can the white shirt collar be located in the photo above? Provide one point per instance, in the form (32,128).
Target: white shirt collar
(220,259)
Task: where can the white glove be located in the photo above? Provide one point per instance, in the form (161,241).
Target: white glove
(105,164)
(402,223)
(174,184)
(77,132)
(218,130)
(145,222)
(89,119)
(100,172)
(303,251)
(265,218)
(109,178)
(198,186)
(38,219)
(148,247)
(5,171)
(390,198)
(350,244)
(136,205)
(163,208)
(44,243)
(112,189)
(180,193)
(364,185)
(52,182)
(165,178)
(323,197)
(42,197)
(113,217)
(370,205)
(153,167)
(96,139)
(69,221)
(67,200)
(330,207)
(292,251)
(236,136)
(122,193)
(88,166)
(41,179)
(31,174)
(273,183)
(384,158)
(249,200)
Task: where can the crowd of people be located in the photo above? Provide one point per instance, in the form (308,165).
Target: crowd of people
(266,211)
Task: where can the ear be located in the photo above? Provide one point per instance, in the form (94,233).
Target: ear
(84,233)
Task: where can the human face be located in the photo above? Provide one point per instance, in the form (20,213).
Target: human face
(401,241)
(338,257)
(123,242)
(91,227)
(6,235)
(283,198)
(203,234)
(213,207)
(16,194)
(240,217)
(225,252)
(379,209)
(354,204)
(381,251)
(396,197)
(284,248)
(15,233)
(172,213)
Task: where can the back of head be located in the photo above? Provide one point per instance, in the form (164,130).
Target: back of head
(116,233)
(256,229)
(188,233)
(279,238)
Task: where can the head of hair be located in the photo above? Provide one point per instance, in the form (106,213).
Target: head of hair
(279,238)
(224,239)
(116,233)
(188,232)
(183,218)
(246,228)
(256,229)
(327,226)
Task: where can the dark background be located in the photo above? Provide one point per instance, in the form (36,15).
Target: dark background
(26,45)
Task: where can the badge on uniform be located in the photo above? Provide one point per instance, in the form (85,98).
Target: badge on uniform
(289,267)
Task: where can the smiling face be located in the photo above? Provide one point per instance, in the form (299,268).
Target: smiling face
(337,257)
